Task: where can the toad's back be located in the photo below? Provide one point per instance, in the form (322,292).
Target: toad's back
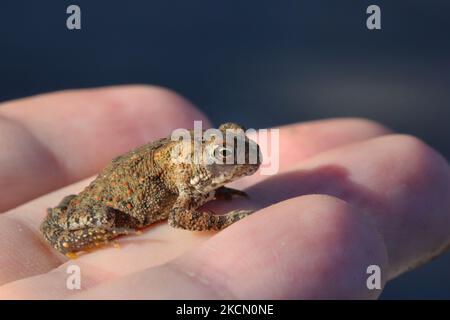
(133,184)
(129,193)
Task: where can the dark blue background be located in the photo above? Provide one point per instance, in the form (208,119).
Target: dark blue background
(259,63)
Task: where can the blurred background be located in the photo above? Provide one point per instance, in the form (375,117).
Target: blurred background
(259,63)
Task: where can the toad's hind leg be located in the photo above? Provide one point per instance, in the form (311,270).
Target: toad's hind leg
(204,221)
(71,241)
(88,235)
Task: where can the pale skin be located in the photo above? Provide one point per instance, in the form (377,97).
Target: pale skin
(350,193)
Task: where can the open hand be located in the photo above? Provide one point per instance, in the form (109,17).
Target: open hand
(349,194)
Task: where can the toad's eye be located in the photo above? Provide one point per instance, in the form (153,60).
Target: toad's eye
(222,153)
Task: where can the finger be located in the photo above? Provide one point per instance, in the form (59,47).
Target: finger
(301,141)
(304,140)
(316,247)
(52,140)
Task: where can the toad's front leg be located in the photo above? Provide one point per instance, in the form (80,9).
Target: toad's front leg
(185,216)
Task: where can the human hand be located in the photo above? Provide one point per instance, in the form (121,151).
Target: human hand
(349,194)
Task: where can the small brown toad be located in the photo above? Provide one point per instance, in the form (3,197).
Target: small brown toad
(157,181)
